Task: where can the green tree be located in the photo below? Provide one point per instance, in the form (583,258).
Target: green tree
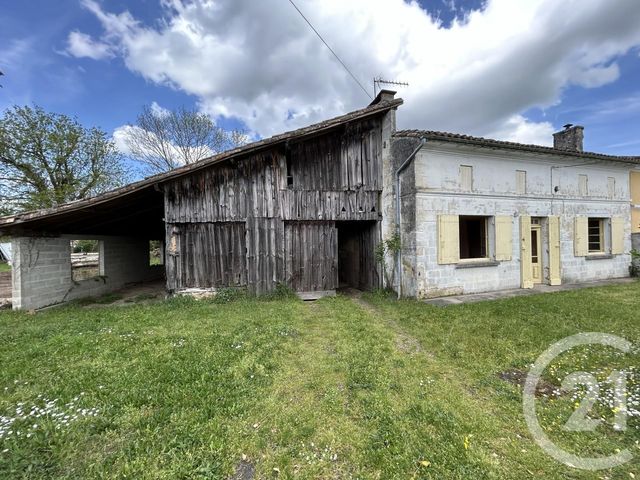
(47,159)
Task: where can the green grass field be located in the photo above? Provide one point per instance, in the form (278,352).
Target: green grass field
(5,267)
(339,388)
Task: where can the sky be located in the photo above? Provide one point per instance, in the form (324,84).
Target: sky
(505,69)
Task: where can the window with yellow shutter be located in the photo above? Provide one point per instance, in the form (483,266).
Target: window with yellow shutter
(583,185)
(474,237)
(596,235)
(466,178)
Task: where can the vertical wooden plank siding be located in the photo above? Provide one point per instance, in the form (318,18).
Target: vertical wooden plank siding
(311,269)
(209,255)
(242,223)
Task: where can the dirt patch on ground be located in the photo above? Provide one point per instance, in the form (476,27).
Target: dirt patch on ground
(407,344)
(245,470)
(519,377)
(147,292)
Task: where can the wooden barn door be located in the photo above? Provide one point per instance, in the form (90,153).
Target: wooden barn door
(212,255)
(311,256)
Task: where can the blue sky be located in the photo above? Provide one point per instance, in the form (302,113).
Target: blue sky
(276,75)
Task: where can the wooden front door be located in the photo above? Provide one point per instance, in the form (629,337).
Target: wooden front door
(536,253)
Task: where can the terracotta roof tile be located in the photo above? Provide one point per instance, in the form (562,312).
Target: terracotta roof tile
(501,144)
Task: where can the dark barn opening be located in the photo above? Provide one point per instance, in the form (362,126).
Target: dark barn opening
(357,266)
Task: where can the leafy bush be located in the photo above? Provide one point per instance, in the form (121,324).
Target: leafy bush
(230,294)
(281,292)
(84,246)
(634,269)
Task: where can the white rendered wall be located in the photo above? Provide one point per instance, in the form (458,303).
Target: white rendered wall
(494,187)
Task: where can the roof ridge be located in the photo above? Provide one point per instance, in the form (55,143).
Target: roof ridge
(489,142)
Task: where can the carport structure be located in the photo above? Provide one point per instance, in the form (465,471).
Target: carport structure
(122,221)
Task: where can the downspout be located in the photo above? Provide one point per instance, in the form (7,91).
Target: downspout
(399,208)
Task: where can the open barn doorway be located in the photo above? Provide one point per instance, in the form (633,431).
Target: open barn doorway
(357,241)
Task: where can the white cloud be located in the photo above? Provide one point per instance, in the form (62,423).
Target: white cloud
(159,110)
(82,45)
(518,129)
(259,61)
(120,138)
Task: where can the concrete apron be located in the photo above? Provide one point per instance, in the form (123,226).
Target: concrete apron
(497,295)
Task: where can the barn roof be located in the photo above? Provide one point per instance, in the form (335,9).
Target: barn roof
(138,206)
(488,142)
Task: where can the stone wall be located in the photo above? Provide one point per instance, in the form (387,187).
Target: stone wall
(494,193)
(41,273)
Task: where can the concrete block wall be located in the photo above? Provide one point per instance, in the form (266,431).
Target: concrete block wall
(42,269)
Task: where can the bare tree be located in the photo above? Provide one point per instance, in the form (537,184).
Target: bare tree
(47,159)
(166,139)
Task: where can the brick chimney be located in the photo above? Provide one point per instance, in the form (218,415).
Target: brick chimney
(571,138)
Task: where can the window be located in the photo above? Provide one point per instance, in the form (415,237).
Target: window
(85,259)
(289,169)
(521,182)
(156,252)
(583,185)
(596,235)
(611,187)
(466,178)
(473,237)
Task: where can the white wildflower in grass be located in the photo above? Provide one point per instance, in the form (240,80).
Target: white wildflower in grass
(28,418)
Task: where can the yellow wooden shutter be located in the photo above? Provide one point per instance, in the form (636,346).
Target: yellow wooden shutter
(617,235)
(635,220)
(525,252)
(466,178)
(448,239)
(555,277)
(521,182)
(634,185)
(504,238)
(581,237)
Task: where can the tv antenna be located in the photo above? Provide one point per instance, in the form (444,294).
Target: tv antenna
(377,81)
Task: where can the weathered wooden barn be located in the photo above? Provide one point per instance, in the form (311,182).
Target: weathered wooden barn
(302,209)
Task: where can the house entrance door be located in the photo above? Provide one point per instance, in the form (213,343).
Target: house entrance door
(536,252)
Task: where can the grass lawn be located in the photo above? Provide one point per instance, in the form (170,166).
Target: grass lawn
(5,267)
(339,388)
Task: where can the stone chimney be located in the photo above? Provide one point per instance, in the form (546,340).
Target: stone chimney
(569,139)
(384,96)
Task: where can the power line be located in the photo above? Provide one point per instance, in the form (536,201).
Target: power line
(331,50)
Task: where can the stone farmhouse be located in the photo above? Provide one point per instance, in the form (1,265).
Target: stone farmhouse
(313,208)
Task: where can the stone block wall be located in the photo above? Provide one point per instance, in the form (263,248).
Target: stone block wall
(551,189)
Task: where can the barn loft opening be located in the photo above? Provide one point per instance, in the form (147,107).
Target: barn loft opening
(356,258)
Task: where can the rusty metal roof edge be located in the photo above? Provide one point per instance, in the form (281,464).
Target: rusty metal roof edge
(491,143)
(149,182)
